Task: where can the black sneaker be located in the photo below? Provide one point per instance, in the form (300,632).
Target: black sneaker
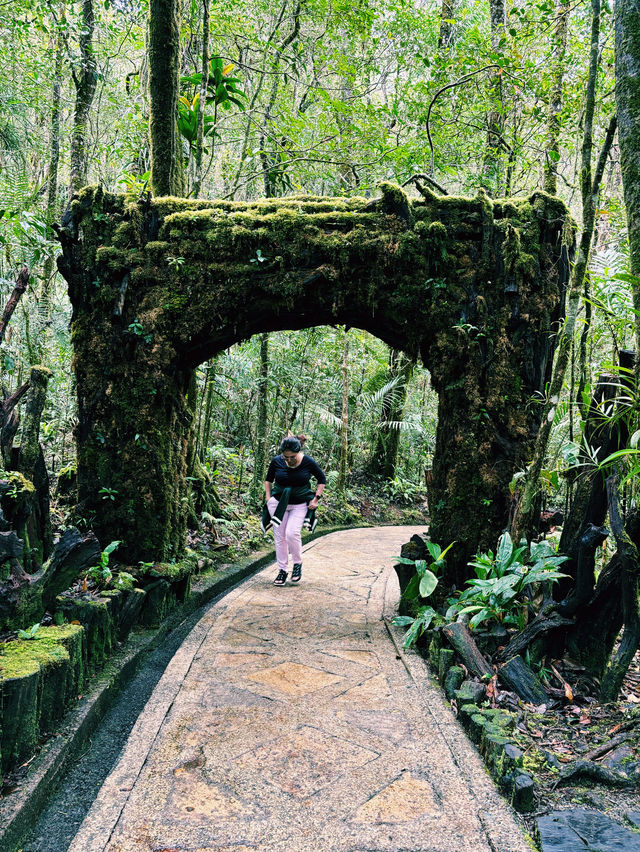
(281,579)
(296,574)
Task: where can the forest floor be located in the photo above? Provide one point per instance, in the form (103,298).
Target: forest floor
(554,739)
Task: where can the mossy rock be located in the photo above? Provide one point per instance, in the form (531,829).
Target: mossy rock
(163,596)
(39,679)
(19,681)
(96,616)
(171,571)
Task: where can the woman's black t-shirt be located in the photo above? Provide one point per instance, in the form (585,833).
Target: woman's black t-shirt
(294,477)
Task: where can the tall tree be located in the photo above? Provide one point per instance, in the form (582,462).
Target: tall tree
(164,69)
(343,464)
(492,166)
(523,522)
(85,77)
(627,64)
(388,434)
(260,453)
(558,60)
(204,84)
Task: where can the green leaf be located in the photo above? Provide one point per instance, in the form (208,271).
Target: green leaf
(402,620)
(505,549)
(413,588)
(434,549)
(412,634)
(428,584)
(421,567)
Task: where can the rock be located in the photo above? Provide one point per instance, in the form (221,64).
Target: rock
(470,692)
(523,794)
(581,829)
(633,817)
(453,681)
(445,661)
(623,759)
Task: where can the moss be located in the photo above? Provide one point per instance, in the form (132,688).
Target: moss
(424,275)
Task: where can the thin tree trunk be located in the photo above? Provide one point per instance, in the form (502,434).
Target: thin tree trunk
(630,641)
(388,436)
(523,522)
(164,68)
(44,301)
(254,99)
(447,24)
(343,464)
(627,41)
(267,164)
(492,166)
(552,154)
(260,453)
(208,409)
(85,79)
(22,282)
(197,182)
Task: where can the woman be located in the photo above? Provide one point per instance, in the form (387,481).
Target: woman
(289,498)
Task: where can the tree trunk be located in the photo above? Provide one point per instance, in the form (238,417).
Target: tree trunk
(207,392)
(447,24)
(85,79)
(492,166)
(260,452)
(22,282)
(44,301)
(164,69)
(630,559)
(627,41)
(388,435)
(552,154)
(268,163)
(589,505)
(524,519)
(343,464)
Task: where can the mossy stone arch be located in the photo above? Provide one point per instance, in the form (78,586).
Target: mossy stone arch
(472,286)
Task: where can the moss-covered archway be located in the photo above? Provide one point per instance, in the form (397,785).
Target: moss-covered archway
(474,286)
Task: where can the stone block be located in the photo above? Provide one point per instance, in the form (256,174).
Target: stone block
(470,692)
(523,795)
(445,661)
(584,830)
(453,681)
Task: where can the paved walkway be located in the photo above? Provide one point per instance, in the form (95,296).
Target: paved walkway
(290,721)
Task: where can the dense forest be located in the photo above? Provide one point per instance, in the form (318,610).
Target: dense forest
(238,102)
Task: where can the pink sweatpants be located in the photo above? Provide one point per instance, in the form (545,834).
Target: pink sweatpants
(287,536)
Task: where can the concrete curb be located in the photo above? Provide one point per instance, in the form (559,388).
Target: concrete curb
(20,810)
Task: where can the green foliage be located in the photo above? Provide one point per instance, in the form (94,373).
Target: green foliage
(421,585)
(497,593)
(101,574)
(401,490)
(222,91)
(31,633)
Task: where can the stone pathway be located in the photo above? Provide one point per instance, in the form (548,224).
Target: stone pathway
(290,720)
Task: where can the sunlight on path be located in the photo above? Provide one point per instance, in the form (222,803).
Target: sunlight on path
(289,721)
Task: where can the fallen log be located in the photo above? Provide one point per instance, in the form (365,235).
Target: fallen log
(463,644)
(518,677)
